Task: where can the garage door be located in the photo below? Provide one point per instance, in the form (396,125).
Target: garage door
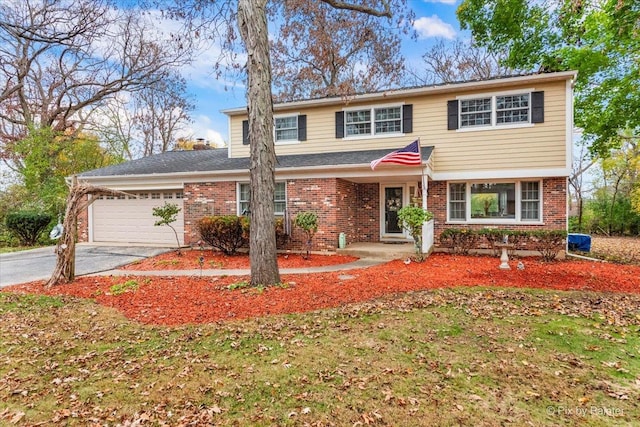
(127,219)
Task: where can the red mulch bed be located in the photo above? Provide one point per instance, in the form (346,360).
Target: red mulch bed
(180,300)
(190,260)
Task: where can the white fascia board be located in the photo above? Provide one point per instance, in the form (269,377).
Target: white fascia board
(501,174)
(425,90)
(362,172)
(177,181)
(569,124)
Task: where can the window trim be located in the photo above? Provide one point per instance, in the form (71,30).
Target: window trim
(496,220)
(238,201)
(372,109)
(494,125)
(286,141)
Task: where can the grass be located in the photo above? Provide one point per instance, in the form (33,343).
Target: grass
(480,357)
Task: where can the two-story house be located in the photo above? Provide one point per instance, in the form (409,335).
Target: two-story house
(494,153)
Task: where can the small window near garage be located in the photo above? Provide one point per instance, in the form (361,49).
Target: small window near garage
(179,195)
(122,197)
(110,197)
(279,200)
(155,196)
(143,195)
(167,195)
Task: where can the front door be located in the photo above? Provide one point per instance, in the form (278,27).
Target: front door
(393,202)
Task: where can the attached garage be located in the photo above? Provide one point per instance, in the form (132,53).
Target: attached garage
(129,219)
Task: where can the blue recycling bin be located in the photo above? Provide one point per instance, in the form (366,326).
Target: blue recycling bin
(579,242)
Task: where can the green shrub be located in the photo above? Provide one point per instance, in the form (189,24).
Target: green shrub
(227,233)
(459,240)
(168,214)
(411,218)
(548,242)
(308,221)
(27,225)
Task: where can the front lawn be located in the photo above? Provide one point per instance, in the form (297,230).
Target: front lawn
(466,356)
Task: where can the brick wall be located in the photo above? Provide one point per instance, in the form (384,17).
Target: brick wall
(341,206)
(554,208)
(206,199)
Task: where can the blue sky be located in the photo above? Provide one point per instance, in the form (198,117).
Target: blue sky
(434,19)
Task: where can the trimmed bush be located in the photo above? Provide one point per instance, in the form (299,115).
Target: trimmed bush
(27,225)
(227,233)
(459,240)
(548,242)
(308,221)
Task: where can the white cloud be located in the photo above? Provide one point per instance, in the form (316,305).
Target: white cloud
(202,127)
(433,26)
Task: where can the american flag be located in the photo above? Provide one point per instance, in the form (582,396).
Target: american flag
(408,156)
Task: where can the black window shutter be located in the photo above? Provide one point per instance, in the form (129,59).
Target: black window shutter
(452,114)
(339,124)
(245,132)
(407,118)
(302,127)
(537,107)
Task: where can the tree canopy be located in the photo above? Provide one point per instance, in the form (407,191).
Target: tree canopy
(598,39)
(323,51)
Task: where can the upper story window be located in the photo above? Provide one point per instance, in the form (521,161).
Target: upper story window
(496,110)
(475,112)
(374,121)
(287,129)
(385,120)
(279,199)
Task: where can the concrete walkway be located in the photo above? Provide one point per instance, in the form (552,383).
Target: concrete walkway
(361,263)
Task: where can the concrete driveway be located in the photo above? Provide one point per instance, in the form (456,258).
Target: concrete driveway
(38,264)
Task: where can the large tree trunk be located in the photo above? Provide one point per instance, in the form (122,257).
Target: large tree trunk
(65,270)
(252,21)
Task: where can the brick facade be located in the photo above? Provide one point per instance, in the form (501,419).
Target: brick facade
(341,206)
(554,208)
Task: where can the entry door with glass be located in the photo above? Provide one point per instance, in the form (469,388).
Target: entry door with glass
(393,202)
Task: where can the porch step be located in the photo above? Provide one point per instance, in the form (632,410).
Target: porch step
(384,251)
